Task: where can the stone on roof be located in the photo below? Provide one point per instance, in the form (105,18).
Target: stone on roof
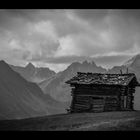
(105,79)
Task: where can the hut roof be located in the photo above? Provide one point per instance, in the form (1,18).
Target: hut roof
(103,79)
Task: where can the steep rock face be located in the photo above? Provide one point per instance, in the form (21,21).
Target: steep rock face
(22,99)
(32,73)
(56,86)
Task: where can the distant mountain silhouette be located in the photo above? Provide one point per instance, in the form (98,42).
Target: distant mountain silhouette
(32,73)
(22,99)
(56,86)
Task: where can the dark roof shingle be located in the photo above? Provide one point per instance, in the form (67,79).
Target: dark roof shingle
(98,78)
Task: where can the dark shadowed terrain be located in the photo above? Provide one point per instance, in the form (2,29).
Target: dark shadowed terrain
(20,98)
(77,122)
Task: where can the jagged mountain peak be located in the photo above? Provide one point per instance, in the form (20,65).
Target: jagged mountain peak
(89,62)
(4,66)
(72,65)
(93,63)
(2,62)
(32,73)
(57,87)
(30,65)
(85,62)
(84,66)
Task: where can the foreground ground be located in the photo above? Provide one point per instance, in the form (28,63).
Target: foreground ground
(108,121)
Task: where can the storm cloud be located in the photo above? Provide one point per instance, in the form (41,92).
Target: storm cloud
(57,38)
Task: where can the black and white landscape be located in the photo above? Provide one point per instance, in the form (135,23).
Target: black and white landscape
(41,49)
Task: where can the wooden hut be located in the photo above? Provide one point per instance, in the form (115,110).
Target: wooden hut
(95,92)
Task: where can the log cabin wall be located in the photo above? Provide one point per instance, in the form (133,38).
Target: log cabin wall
(130,98)
(101,98)
(95,99)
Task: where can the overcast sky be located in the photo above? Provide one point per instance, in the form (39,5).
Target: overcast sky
(56,38)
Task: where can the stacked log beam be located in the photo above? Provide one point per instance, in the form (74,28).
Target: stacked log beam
(111,104)
(89,98)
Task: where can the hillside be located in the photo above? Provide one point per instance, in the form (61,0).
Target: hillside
(22,99)
(108,121)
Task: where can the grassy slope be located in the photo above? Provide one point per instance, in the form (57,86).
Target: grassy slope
(84,121)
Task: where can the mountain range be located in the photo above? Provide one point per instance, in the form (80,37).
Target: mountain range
(32,73)
(30,91)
